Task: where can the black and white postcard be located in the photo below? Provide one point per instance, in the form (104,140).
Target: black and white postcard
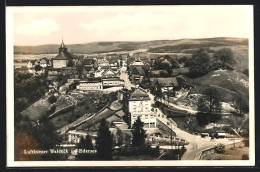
(165,85)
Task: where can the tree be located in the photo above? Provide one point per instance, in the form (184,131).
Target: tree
(200,63)
(209,107)
(52,99)
(85,144)
(138,133)
(104,142)
(37,68)
(225,55)
(120,137)
(242,105)
(175,63)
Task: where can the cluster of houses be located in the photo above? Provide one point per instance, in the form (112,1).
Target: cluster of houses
(87,73)
(43,62)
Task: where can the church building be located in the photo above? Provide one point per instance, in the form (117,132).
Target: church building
(63,59)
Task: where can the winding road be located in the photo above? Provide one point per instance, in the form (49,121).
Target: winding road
(196,143)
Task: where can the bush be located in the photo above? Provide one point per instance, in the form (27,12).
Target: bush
(52,99)
(52,108)
(155,152)
(220,149)
(245,157)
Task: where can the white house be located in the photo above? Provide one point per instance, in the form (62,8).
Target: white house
(139,105)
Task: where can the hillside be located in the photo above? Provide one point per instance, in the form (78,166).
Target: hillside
(182,47)
(152,46)
(229,84)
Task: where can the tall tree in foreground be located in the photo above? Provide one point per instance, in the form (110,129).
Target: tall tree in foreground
(85,144)
(138,133)
(104,142)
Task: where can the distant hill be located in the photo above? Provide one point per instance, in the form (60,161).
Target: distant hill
(182,47)
(152,46)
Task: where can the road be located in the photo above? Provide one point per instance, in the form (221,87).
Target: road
(125,77)
(196,143)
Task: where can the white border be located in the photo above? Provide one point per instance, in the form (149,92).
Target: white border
(10,93)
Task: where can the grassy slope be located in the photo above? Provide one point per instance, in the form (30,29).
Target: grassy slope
(227,82)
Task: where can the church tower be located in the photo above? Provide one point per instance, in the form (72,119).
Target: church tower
(62,47)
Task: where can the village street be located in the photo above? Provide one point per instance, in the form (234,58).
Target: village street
(196,143)
(125,77)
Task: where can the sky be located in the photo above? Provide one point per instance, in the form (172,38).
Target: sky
(77,25)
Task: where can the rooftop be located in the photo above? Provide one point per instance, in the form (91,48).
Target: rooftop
(139,70)
(63,55)
(166,82)
(78,132)
(138,95)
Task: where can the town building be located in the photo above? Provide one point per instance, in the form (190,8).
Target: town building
(112,82)
(89,63)
(90,84)
(109,73)
(44,62)
(32,64)
(139,105)
(165,84)
(102,62)
(111,79)
(123,60)
(137,75)
(63,59)
(139,63)
(74,136)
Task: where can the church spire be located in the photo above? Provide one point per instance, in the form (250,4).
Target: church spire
(62,43)
(62,46)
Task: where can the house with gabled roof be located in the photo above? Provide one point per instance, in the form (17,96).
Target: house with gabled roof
(139,63)
(44,62)
(111,79)
(109,73)
(102,62)
(89,62)
(165,84)
(137,75)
